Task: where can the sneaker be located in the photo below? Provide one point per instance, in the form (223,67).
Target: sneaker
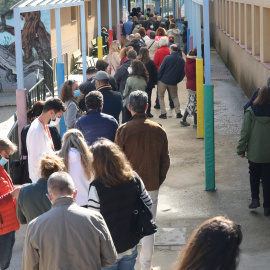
(163,116)
(157,107)
(184,124)
(179,115)
(150,115)
(254,204)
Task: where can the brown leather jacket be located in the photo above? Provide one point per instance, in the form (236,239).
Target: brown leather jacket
(146,146)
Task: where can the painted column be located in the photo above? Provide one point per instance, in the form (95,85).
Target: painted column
(20,92)
(162,10)
(83,31)
(199,77)
(168,7)
(110,23)
(99,39)
(118,29)
(59,65)
(157,6)
(194,23)
(208,106)
(173,6)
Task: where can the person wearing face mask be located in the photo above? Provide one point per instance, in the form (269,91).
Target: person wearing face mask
(8,196)
(69,93)
(138,78)
(39,140)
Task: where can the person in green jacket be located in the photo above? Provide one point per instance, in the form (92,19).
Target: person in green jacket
(255,145)
(33,201)
(137,80)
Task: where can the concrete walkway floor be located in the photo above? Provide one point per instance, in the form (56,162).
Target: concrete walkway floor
(183,202)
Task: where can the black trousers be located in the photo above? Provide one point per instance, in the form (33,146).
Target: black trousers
(259,171)
(148,90)
(126,115)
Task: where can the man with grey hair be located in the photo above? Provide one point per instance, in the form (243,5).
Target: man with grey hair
(135,42)
(170,73)
(67,236)
(145,145)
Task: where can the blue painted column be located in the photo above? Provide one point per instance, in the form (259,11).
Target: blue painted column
(188,36)
(99,17)
(168,7)
(173,7)
(194,23)
(157,6)
(83,33)
(60,74)
(162,9)
(208,106)
(198,31)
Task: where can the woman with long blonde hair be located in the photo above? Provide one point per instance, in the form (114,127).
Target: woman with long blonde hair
(78,160)
(113,58)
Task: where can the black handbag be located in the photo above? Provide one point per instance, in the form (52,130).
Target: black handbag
(18,171)
(143,223)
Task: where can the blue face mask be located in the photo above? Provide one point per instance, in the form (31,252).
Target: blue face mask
(76,93)
(3,161)
(138,27)
(151,26)
(183,25)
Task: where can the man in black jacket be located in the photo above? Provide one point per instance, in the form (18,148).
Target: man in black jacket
(121,74)
(135,42)
(170,73)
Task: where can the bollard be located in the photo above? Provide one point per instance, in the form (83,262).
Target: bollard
(199,95)
(100,49)
(60,80)
(110,38)
(209,137)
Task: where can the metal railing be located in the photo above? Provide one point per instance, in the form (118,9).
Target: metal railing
(37,92)
(48,77)
(13,136)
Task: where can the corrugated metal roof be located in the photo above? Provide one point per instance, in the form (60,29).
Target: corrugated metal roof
(36,3)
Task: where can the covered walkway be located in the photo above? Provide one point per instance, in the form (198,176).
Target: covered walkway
(183,203)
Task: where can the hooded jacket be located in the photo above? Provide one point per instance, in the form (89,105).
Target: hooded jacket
(255,134)
(160,54)
(136,44)
(190,70)
(8,219)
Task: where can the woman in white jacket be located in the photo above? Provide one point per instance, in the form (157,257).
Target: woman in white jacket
(78,160)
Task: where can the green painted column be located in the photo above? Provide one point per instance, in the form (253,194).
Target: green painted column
(209,140)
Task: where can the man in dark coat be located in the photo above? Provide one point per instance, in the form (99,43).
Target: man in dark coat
(170,73)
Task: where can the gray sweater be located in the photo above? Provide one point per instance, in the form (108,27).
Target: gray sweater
(72,114)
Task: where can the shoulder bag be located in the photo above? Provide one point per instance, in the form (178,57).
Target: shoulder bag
(142,218)
(18,171)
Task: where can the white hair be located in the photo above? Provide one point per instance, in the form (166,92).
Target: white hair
(163,41)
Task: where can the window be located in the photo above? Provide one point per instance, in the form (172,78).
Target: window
(73,14)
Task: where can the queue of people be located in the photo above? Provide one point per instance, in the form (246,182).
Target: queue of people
(86,184)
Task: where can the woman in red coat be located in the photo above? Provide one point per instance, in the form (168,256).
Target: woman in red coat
(190,70)
(8,194)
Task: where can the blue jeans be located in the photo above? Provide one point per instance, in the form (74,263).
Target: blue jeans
(127,262)
(6,244)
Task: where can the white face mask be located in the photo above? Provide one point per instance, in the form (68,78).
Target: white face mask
(54,122)
(129,70)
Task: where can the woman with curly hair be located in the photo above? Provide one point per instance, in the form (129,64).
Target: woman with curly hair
(142,32)
(123,54)
(113,57)
(68,94)
(138,78)
(32,201)
(160,33)
(114,194)
(152,71)
(77,159)
(214,245)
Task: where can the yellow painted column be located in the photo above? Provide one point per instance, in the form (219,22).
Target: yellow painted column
(100,49)
(199,93)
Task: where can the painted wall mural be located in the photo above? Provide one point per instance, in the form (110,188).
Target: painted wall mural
(36,45)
